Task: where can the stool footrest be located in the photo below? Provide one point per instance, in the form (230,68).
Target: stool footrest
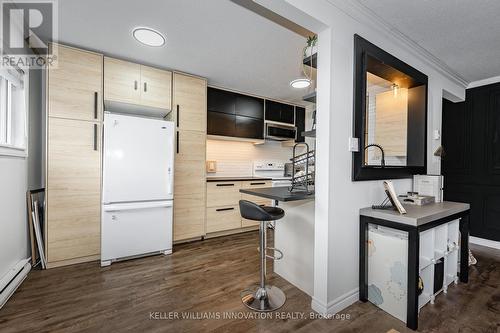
(274,257)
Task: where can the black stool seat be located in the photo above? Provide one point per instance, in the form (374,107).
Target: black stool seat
(252,211)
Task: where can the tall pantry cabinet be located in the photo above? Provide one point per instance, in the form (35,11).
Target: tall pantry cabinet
(190,116)
(73,173)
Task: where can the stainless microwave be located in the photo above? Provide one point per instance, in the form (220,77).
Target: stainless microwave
(280,132)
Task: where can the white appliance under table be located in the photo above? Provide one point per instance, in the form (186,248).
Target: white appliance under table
(137,206)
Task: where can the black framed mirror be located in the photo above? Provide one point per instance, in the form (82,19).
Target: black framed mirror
(390,115)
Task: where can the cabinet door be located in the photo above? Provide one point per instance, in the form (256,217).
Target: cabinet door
(75,84)
(249,106)
(189,185)
(190,103)
(300,122)
(73,189)
(221,101)
(284,113)
(156,88)
(247,127)
(121,81)
(223,218)
(221,124)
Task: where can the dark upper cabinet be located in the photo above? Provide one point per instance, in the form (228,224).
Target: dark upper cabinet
(300,123)
(249,106)
(248,127)
(221,124)
(284,113)
(221,101)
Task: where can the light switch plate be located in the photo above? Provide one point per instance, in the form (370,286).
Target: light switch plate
(354,144)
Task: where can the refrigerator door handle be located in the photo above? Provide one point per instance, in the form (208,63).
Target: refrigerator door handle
(136,206)
(170,178)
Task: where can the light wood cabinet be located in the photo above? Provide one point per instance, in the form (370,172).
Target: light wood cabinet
(223,202)
(223,193)
(75,84)
(190,103)
(128,82)
(73,161)
(121,81)
(156,87)
(190,174)
(73,189)
(223,218)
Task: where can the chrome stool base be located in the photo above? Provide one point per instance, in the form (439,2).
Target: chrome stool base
(263,300)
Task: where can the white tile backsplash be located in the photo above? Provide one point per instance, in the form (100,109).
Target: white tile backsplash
(236,158)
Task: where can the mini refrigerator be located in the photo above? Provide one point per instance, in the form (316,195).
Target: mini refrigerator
(138,169)
(388,270)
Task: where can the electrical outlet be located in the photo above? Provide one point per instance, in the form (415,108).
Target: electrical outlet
(354,144)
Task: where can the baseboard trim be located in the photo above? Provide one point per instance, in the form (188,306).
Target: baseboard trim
(336,305)
(484,242)
(13,280)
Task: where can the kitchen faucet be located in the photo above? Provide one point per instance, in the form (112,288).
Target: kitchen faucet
(382,162)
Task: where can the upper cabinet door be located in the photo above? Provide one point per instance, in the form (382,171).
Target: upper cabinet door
(121,81)
(283,113)
(75,85)
(249,106)
(221,101)
(190,103)
(156,88)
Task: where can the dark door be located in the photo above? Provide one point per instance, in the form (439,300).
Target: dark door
(471,165)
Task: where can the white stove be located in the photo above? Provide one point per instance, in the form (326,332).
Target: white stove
(272,169)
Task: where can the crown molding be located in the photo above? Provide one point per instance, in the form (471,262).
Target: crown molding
(366,16)
(484,82)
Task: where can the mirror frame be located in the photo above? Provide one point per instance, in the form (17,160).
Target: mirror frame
(363,48)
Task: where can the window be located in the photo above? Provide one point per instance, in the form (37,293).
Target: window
(13,108)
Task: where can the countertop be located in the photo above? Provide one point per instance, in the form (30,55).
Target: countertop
(280,193)
(417,215)
(234,179)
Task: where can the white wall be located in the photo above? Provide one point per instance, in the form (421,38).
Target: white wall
(15,181)
(338,199)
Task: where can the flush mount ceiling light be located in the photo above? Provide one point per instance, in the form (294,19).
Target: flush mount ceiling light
(148,36)
(300,83)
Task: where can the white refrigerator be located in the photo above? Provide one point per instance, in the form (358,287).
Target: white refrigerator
(137,200)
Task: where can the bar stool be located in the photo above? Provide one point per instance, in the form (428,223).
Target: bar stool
(263,297)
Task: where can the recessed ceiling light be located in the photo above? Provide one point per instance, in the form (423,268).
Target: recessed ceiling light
(148,36)
(300,83)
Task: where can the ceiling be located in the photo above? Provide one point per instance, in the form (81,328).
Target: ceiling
(217,39)
(463,34)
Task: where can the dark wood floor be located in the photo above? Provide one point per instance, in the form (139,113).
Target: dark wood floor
(205,278)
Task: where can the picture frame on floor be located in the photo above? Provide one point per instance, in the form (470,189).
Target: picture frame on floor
(36,213)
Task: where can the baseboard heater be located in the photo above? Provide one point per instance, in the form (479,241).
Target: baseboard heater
(13,279)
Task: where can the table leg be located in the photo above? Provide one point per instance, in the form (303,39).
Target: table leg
(413,273)
(363,259)
(464,249)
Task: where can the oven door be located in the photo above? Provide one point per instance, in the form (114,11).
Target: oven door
(280,132)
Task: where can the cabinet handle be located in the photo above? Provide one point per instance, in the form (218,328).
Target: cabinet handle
(223,209)
(177,142)
(95,105)
(177,115)
(135,85)
(257,183)
(145,86)
(95,137)
(224,185)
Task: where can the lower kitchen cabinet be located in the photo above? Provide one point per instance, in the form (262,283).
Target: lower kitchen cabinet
(189,186)
(223,218)
(223,213)
(73,191)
